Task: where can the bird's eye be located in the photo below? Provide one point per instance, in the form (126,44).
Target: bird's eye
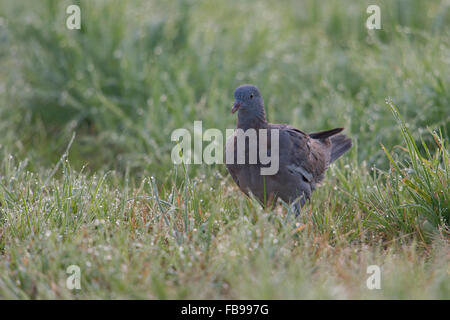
(251,96)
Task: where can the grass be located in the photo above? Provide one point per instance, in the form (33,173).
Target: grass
(86,177)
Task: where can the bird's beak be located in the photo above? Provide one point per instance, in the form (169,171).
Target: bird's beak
(236,107)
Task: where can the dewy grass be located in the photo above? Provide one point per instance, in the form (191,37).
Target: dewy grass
(414,198)
(137,70)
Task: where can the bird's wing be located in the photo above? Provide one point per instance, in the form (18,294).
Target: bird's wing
(306,156)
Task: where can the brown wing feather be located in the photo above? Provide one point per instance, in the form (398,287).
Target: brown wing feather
(310,156)
(325,134)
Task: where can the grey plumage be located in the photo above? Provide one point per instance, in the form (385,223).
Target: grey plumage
(303,158)
(340,144)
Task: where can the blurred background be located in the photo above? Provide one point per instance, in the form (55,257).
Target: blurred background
(137,70)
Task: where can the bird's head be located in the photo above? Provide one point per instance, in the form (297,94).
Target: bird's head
(247,99)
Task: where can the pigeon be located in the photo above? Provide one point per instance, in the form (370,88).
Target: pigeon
(303,158)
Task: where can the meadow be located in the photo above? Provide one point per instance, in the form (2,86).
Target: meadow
(86,176)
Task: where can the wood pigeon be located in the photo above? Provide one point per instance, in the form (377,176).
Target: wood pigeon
(302,157)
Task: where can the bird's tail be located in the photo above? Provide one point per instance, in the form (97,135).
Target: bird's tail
(340,144)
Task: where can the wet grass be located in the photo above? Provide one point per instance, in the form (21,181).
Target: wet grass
(109,199)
